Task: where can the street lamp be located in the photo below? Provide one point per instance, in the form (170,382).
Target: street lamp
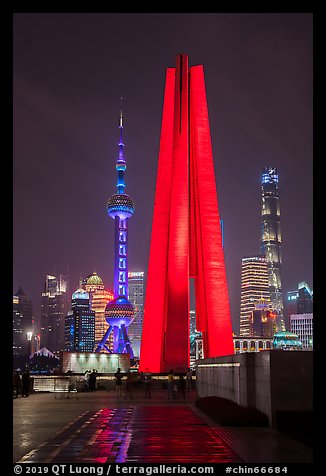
(29,344)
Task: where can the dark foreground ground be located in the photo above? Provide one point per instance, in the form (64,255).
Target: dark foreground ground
(100,427)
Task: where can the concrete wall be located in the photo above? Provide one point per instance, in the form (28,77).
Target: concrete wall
(79,362)
(292,381)
(270,381)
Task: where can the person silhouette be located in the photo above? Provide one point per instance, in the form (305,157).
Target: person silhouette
(148,384)
(17,383)
(118,381)
(170,384)
(26,381)
(189,379)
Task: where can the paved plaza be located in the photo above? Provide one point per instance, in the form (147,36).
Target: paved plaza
(100,427)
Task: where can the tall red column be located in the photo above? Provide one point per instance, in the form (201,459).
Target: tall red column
(212,299)
(186,236)
(156,288)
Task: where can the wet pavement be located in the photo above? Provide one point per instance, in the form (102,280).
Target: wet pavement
(101,427)
(143,434)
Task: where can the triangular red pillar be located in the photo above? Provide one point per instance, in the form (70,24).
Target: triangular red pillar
(186,237)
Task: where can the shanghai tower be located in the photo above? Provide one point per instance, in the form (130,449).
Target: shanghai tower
(271,240)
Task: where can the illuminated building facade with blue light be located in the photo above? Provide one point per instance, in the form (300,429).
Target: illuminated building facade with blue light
(119,312)
(271,240)
(286,340)
(136,297)
(80,324)
(299,301)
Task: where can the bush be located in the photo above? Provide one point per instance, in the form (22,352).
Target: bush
(228,413)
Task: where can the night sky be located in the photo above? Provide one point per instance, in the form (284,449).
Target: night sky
(70,70)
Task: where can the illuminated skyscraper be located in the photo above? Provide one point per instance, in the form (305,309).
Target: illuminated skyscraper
(302,326)
(23,308)
(262,320)
(291,306)
(17,318)
(136,297)
(271,240)
(186,240)
(196,340)
(119,312)
(305,299)
(254,287)
(98,298)
(80,324)
(54,308)
(92,283)
(300,301)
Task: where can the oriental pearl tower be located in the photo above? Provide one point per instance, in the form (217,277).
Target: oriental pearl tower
(119,312)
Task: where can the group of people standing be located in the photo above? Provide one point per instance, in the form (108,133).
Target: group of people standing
(21,384)
(130,385)
(134,381)
(177,385)
(90,379)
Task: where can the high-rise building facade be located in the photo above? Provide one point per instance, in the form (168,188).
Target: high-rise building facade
(23,307)
(17,318)
(54,307)
(119,312)
(196,340)
(35,343)
(254,287)
(291,306)
(99,297)
(299,301)
(271,240)
(302,326)
(80,324)
(186,239)
(92,283)
(305,299)
(262,322)
(136,297)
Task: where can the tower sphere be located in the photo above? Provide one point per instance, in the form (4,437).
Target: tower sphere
(119,311)
(121,205)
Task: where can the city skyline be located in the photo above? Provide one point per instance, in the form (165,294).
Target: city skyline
(258,73)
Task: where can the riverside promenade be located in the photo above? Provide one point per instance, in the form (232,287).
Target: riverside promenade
(102,427)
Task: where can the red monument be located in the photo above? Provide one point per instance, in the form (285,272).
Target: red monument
(186,239)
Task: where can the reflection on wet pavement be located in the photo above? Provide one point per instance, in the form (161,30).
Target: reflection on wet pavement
(25,439)
(143,434)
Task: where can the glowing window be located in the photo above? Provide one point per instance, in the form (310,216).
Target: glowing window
(122,236)
(122,276)
(122,263)
(122,290)
(122,250)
